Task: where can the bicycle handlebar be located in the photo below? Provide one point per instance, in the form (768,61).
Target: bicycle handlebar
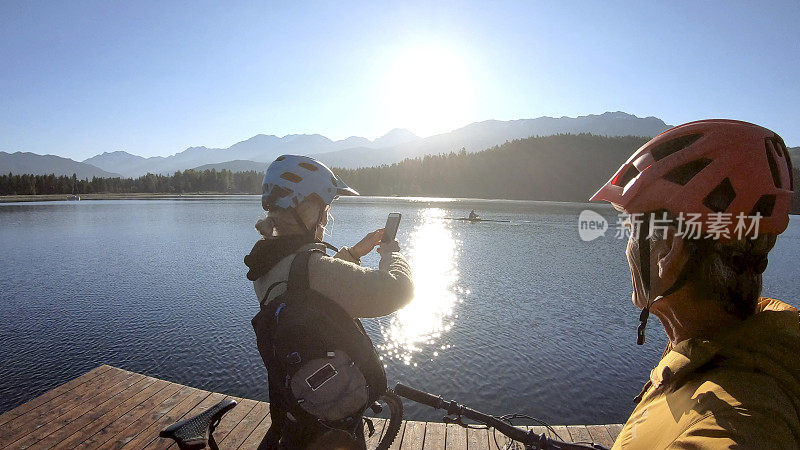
(526,437)
(418,396)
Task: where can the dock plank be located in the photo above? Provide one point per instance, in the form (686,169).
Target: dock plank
(126,428)
(434,436)
(103,430)
(561,433)
(53,393)
(39,417)
(253,441)
(146,428)
(600,435)
(80,418)
(111,408)
(614,430)
(579,434)
(413,436)
(455,437)
(478,439)
(242,431)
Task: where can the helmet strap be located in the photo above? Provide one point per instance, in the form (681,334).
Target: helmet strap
(310,232)
(644,269)
(644,265)
(302,224)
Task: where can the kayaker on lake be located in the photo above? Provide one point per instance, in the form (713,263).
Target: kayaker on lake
(730,376)
(298,192)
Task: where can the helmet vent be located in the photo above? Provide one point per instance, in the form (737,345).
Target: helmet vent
(665,149)
(289,176)
(788,158)
(773,147)
(764,205)
(721,197)
(773,165)
(626,176)
(268,200)
(308,166)
(683,174)
(788,161)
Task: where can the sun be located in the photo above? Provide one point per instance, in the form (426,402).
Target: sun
(428,90)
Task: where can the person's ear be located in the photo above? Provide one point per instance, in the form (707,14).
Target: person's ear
(671,255)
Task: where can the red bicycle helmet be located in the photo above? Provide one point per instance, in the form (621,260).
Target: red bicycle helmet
(706,167)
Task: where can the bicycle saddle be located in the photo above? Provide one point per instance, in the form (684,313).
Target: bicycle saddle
(197,432)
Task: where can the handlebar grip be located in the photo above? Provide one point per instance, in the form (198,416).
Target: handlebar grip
(418,396)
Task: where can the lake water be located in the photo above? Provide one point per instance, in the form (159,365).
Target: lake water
(508,317)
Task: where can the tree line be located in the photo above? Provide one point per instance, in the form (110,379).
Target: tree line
(559,168)
(177,183)
(562,167)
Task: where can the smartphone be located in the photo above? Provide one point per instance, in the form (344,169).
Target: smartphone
(390,231)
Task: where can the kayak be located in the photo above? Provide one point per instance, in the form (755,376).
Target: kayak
(467,219)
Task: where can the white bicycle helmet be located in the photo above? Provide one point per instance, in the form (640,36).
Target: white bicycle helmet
(290,179)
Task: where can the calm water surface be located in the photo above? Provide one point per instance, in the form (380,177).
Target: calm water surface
(508,317)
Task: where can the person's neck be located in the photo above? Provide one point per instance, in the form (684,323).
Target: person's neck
(685,316)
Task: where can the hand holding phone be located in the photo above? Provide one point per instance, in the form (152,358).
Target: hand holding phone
(390,230)
(366,245)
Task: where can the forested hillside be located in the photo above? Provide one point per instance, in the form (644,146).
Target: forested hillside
(177,183)
(566,168)
(559,168)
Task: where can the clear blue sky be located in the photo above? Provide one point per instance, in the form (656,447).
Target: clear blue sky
(152,78)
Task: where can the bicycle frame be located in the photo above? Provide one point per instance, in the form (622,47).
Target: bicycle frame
(527,438)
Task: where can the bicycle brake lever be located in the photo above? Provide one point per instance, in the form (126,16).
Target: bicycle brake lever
(454,420)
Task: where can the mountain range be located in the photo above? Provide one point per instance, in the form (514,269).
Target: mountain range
(482,135)
(353,152)
(260,148)
(31,163)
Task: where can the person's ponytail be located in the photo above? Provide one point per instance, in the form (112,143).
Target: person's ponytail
(730,272)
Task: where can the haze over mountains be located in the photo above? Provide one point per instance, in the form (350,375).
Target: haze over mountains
(398,144)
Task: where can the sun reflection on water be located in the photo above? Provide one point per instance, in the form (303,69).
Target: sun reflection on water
(420,325)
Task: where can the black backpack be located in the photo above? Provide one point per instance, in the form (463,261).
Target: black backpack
(323,369)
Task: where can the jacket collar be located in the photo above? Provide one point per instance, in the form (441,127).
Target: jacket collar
(750,336)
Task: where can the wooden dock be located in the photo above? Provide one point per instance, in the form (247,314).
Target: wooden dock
(114,408)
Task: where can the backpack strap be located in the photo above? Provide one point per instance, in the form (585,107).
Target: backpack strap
(269,289)
(298,280)
(298,272)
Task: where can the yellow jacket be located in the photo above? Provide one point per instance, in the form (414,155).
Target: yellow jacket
(739,390)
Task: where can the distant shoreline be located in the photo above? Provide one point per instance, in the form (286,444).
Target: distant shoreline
(113,196)
(156,196)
